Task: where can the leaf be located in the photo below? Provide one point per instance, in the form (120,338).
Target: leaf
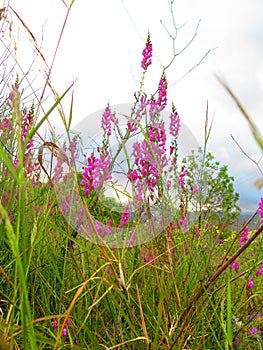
(55,150)
(35,129)
(8,163)
(70,112)
(259,183)
(253,127)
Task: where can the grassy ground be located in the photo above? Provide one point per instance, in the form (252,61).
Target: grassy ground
(159,295)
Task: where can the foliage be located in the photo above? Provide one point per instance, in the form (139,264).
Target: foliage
(216,198)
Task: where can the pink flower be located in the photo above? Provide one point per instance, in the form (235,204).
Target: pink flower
(183,220)
(181,177)
(258,315)
(148,257)
(250,283)
(98,228)
(253,331)
(174,123)
(27,122)
(243,237)
(235,265)
(132,175)
(107,119)
(162,92)
(147,54)
(156,133)
(125,216)
(260,210)
(168,184)
(150,158)
(195,189)
(95,173)
(260,270)
(56,324)
(5,124)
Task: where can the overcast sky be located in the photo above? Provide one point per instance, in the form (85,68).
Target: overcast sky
(102,46)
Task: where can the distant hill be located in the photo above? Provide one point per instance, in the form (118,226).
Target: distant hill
(242,218)
(245,217)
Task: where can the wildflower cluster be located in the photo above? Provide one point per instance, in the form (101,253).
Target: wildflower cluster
(174,124)
(147,171)
(55,325)
(9,134)
(243,237)
(108,119)
(96,172)
(150,160)
(235,265)
(162,93)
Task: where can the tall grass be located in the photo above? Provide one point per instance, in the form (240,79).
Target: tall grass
(180,290)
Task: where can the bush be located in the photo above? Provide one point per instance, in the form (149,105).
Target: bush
(215,199)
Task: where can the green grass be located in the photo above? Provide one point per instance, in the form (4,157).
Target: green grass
(45,279)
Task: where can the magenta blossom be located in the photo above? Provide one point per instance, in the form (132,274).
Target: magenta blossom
(107,119)
(174,123)
(258,315)
(55,324)
(250,283)
(147,54)
(95,173)
(243,237)
(235,265)
(162,93)
(260,270)
(181,177)
(260,210)
(253,331)
(125,216)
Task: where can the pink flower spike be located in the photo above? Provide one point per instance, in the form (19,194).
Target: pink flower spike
(125,217)
(260,210)
(162,92)
(174,123)
(235,265)
(147,54)
(181,177)
(108,118)
(243,237)
(250,283)
(253,331)
(95,173)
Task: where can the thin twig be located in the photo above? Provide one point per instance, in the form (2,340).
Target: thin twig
(245,153)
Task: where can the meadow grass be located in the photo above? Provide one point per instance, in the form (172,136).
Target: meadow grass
(196,285)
